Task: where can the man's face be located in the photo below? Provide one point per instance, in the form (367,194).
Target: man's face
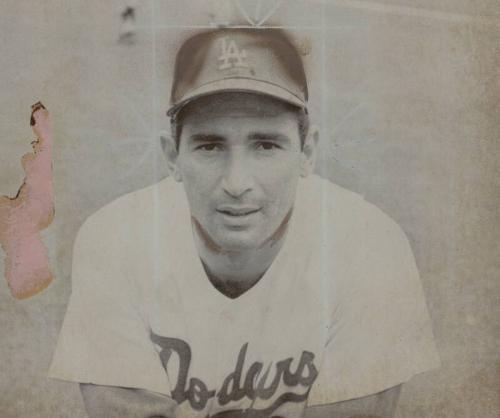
(240,158)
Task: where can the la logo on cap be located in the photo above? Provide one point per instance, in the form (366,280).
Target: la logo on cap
(231,56)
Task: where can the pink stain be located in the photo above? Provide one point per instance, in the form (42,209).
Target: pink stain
(22,218)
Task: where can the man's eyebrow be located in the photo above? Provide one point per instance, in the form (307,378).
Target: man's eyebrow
(206,138)
(271,136)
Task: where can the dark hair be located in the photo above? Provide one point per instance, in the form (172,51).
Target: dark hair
(177,120)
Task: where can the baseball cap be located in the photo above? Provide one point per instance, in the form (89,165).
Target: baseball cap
(255,60)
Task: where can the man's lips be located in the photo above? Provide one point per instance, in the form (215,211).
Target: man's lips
(238,211)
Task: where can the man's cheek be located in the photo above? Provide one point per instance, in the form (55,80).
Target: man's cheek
(277,208)
(198,202)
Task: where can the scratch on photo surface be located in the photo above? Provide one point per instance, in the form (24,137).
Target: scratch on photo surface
(22,217)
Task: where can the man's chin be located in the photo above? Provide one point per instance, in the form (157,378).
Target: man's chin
(228,239)
(237,241)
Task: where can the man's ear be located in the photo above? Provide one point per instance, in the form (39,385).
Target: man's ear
(171,153)
(309,151)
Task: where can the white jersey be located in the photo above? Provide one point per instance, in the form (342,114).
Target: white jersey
(340,313)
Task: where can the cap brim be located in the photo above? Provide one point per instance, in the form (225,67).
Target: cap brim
(240,84)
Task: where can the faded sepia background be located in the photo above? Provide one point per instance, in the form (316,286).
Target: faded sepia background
(407,97)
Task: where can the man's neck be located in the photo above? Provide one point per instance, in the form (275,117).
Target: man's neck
(232,285)
(235,272)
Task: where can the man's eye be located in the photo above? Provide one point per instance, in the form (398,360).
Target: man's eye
(266,145)
(209,147)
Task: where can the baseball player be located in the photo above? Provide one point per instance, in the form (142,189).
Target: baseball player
(242,285)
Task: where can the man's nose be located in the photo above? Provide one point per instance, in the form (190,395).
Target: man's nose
(237,179)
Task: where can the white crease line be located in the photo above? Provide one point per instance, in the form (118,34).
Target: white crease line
(142,27)
(244,13)
(257,10)
(416,12)
(271,12)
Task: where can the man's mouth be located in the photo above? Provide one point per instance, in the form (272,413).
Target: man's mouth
(238,211)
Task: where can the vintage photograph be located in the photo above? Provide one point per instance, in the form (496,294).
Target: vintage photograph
(282,209)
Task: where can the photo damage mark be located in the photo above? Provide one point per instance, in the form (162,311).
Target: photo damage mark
(127,29)
(22,218)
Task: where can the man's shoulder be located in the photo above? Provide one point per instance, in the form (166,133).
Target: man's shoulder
(137,208)
(349,212)
(126,235)
(369,254)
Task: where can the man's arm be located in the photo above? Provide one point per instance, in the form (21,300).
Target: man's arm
(380,405)
(117,402)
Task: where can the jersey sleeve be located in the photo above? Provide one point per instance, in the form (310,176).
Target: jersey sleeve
(105,338)
(380,333)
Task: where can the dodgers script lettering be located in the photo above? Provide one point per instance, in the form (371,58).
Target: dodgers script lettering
(257,383)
